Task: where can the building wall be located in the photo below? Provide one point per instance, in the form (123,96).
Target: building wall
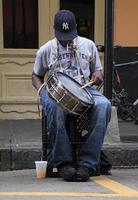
(99,25)
(18,99)
(126,23)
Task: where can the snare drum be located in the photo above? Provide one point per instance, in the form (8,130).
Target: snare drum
(68,93)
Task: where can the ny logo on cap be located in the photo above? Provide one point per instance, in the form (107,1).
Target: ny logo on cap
(65,26)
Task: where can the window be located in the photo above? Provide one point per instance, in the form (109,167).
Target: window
(20,23)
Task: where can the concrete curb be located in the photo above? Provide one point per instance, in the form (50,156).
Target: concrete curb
(119,154)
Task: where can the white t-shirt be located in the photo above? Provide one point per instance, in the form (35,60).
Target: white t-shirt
(77,62)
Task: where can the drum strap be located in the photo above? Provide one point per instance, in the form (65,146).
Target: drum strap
(79,63)
(54,43)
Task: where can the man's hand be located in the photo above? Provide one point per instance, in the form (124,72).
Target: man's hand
(97,77)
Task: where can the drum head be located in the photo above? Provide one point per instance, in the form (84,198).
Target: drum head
(74,88)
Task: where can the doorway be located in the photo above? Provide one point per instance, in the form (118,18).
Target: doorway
(84,13)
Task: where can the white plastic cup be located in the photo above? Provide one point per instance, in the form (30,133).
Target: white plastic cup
(41,167)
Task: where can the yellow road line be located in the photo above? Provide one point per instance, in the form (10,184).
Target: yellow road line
(119,190)
(115,186)
(66,194)
(69,194)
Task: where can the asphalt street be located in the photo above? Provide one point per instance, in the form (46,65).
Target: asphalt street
(23,184)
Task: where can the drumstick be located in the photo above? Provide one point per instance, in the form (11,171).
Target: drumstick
(87,84)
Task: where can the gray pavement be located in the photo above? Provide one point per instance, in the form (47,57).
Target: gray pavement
(128,131)
(28,133)
(20,145)
(23,184)
(20,133)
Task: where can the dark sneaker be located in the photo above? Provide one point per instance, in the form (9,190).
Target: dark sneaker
(95,172)
(82,174)
(67,172)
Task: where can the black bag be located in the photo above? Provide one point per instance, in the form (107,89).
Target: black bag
(104,167)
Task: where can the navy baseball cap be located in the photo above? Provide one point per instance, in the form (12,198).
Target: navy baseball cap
(65,25)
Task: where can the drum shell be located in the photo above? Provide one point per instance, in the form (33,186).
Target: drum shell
(63,97)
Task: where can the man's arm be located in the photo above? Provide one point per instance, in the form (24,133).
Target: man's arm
(97,77)
(37,81)
(97,73)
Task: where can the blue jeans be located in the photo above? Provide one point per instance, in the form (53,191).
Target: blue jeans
(59,140)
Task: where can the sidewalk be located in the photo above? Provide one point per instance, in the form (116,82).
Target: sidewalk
(21,144)
(123,184)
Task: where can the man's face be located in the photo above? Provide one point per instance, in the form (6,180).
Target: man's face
(65,43)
